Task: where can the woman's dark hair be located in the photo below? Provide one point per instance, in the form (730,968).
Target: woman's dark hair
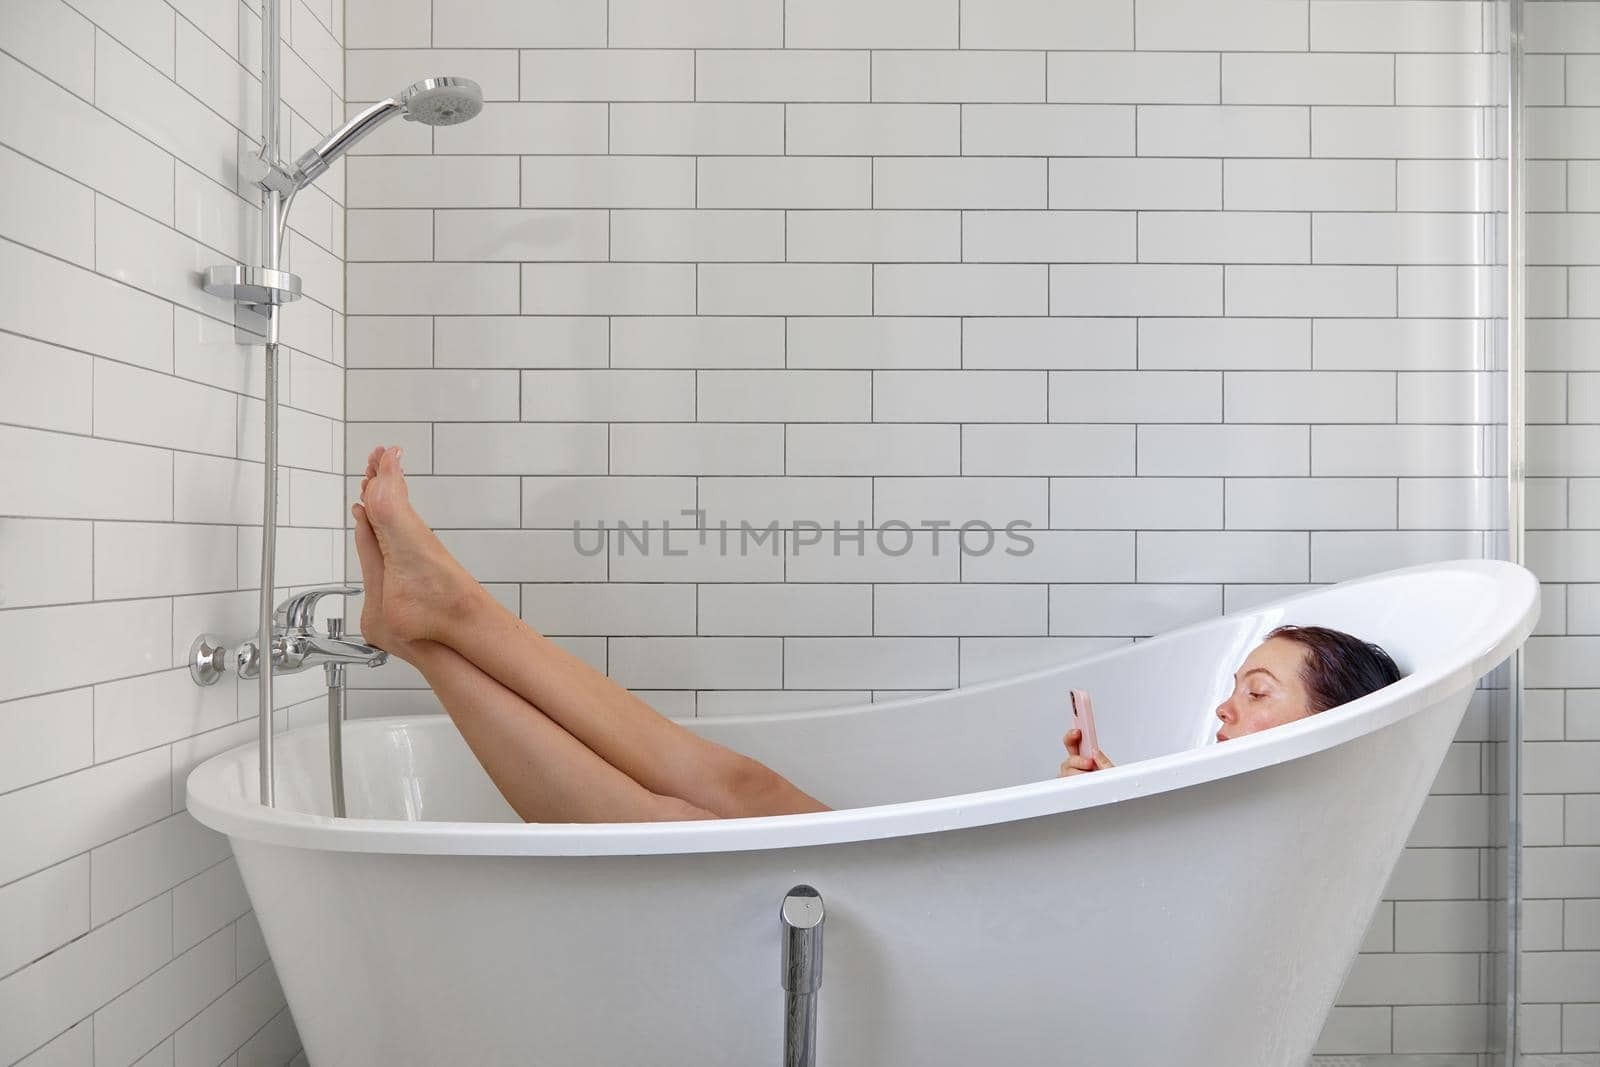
(1338,668)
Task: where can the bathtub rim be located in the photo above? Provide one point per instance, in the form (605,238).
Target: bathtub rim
(214,803)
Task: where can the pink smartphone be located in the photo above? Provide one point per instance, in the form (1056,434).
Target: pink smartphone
(1083,719)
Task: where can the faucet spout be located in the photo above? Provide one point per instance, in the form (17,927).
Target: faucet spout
(315,650)
(297,645)
(293,653)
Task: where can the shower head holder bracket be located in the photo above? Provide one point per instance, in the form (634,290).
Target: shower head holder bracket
(253,286)
(263,174)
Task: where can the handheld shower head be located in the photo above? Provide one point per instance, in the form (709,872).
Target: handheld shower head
(442,101)
(432,102)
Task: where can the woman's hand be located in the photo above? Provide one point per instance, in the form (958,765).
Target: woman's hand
(1077,763)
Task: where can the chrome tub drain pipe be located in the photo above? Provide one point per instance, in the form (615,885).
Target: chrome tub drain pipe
(334,671)
(801,975)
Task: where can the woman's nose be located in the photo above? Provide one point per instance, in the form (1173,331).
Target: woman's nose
(1223,711)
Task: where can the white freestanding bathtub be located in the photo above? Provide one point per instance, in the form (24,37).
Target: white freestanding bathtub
(1200,904)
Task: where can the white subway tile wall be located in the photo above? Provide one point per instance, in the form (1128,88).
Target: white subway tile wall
(1198,290)
(130,482)
(1562,882)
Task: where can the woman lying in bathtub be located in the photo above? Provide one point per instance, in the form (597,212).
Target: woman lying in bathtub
(1295,673)
(564,743)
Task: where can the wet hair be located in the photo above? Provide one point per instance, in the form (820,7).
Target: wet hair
(1338,668)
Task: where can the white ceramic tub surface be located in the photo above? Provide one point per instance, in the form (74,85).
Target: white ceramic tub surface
(1199,904)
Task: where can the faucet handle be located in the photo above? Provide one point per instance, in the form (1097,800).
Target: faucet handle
(299,611)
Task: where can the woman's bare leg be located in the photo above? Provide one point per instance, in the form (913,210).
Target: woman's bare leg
(544,773)
(426,587)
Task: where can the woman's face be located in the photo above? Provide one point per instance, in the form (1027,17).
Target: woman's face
(1267,690)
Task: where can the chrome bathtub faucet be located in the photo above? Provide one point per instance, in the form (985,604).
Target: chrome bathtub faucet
(296,643)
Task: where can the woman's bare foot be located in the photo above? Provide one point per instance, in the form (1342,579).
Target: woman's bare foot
(423,585)
(373,631)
